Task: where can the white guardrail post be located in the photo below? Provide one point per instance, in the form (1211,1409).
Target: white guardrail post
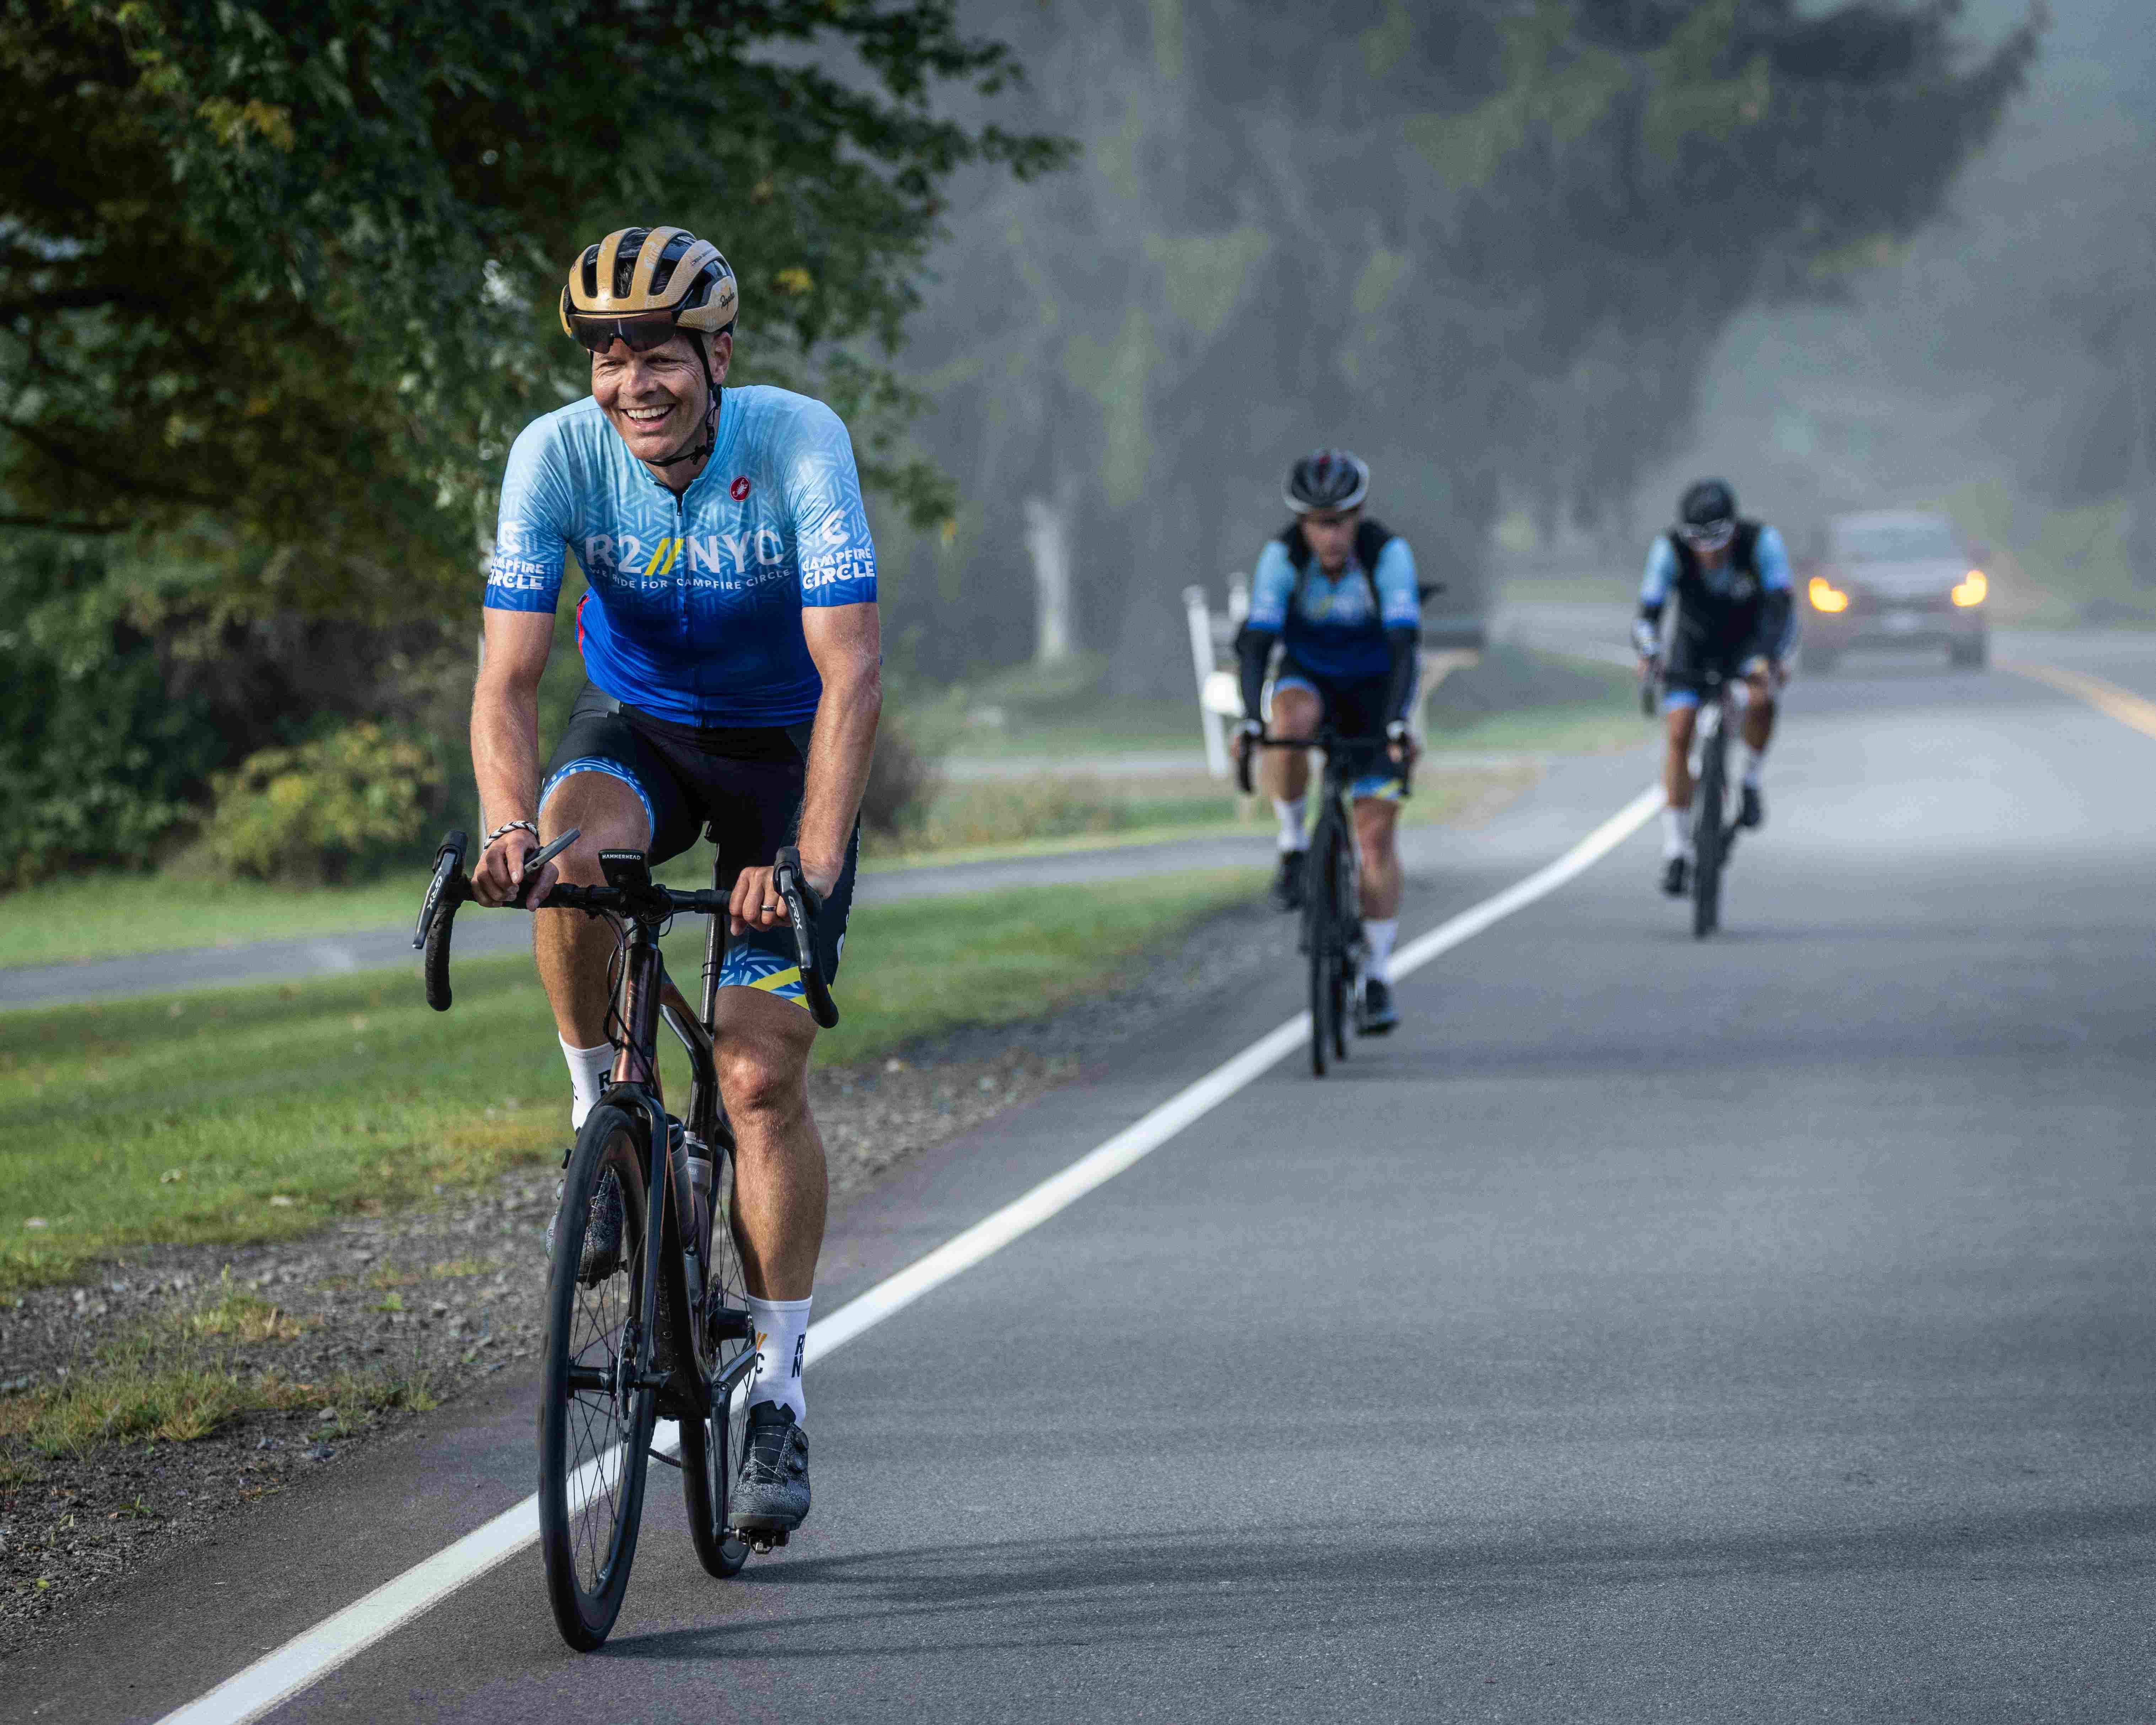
(1210,723)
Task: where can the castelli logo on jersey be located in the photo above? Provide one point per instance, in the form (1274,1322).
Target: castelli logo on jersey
(738,491)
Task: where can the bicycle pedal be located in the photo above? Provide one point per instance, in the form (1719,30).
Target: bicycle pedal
(764,1543)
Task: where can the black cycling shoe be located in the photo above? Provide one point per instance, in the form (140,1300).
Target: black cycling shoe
(1287,880)
(772,1494)
(1752,812)
(1676,877)
(1379,1016)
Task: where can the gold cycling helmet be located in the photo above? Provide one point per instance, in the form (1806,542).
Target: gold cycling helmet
(639,285)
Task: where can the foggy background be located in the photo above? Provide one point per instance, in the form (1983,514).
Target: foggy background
(1920,281)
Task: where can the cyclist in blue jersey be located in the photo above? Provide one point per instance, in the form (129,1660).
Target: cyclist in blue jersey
(730,644)
(1731,582)
(1336,592)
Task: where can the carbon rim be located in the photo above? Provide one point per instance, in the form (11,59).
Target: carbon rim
(595,1422)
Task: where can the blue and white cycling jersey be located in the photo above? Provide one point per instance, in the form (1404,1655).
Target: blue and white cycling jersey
(1327,623)
(695,609)
(1770,560)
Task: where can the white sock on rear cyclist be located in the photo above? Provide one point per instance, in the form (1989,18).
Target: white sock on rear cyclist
(1676,833)
(588,1069)
(782,1334)
(1378,938)
(1291,835)
(1754,759)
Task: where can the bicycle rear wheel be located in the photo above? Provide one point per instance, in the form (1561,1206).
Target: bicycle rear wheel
(712,1448)
(594,1426)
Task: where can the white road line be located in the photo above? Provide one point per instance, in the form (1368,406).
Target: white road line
(311,1656)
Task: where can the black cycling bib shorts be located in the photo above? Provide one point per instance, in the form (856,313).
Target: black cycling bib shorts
(743,784)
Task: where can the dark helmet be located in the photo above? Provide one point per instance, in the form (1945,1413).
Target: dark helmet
(1707,513)
(1326,478)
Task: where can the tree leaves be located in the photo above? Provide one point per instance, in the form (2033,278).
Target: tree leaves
(282,276)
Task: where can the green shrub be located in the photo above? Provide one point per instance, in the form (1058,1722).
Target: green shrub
(99,762)
(314,812)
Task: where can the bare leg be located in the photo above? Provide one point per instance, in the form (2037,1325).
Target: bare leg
(1676,766)
(781,1185)
(1284,773)
(1757,729)
(1383,884)
(574,950)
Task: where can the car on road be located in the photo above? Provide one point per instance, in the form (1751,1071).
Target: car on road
(1895,580)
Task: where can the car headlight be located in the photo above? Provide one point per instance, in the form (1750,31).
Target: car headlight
(1972,590)
(1827,596)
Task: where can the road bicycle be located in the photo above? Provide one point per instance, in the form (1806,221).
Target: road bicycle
(1332,936)
(1713,824)
(647,1307)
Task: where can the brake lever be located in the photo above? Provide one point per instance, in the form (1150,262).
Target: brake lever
(538,859)
(446,889)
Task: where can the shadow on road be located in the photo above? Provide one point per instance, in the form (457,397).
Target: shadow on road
(1181,1586)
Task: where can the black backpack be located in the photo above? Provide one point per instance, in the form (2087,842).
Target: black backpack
(1743,555)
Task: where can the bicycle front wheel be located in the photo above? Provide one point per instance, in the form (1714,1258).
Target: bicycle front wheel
(595,1423)
(1340,889)
(712,1448)
(1710,837)
(1318,943)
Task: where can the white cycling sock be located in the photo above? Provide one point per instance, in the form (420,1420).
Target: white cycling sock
(1676,833)
(1377,937)
(781,1335)
(1754,759)
(588,1070)
(1291,835)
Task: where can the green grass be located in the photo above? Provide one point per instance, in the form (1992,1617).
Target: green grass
(1585,729)
(174,1379)
(103,915)
(1112,728)
(255,1113)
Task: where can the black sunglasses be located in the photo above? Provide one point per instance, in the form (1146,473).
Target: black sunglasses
(639,335)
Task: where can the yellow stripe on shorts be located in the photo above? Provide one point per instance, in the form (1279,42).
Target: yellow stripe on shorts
(778,979)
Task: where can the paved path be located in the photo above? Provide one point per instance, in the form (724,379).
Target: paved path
(1754,1330)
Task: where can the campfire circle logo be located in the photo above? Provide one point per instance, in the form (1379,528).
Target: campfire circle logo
(738,491)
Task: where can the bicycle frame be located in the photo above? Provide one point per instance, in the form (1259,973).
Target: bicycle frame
(648,995)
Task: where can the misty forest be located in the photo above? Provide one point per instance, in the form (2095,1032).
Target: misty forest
(274,315)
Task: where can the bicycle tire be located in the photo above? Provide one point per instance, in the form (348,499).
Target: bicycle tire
(711,1446)
(1340,891)
(1709,832)
(1318,943)
(594,1447)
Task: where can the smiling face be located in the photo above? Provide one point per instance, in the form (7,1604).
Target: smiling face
(656,400)
(1331,533)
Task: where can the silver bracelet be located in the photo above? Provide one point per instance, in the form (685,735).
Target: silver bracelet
(508,826)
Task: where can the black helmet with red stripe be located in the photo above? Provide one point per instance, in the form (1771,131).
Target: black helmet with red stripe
(1328,479)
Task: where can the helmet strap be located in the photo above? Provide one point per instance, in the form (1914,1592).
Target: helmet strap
(710,436)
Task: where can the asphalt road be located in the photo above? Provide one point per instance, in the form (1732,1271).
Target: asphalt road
(1760,1329)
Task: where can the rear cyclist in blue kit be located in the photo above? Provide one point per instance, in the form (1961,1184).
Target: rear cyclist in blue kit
(730,636)
(1338,593)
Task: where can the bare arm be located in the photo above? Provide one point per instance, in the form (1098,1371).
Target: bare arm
(846,642)
(505,740)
